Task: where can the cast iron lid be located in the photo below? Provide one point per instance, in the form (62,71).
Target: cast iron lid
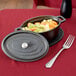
(25,46)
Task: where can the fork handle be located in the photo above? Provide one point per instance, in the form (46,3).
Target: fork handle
(51,62)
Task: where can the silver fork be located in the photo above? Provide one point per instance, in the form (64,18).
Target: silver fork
(66,45)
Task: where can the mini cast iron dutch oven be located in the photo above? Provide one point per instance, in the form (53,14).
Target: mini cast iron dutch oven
(51,34)
(27,46)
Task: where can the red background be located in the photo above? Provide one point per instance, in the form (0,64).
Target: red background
(65,64)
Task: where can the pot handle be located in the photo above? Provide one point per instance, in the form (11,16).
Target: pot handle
(61,19)
(18,29)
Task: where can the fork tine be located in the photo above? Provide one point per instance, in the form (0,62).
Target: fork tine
(69,40)
(73,38)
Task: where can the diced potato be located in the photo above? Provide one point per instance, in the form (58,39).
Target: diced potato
(23,28)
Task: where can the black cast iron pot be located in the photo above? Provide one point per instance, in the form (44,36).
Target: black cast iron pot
(51,34)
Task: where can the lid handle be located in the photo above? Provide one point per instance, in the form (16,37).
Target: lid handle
(24,45)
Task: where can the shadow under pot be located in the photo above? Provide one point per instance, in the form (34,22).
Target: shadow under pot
(49,35)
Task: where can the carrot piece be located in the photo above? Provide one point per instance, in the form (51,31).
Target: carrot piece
(54,22)
(33,29)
